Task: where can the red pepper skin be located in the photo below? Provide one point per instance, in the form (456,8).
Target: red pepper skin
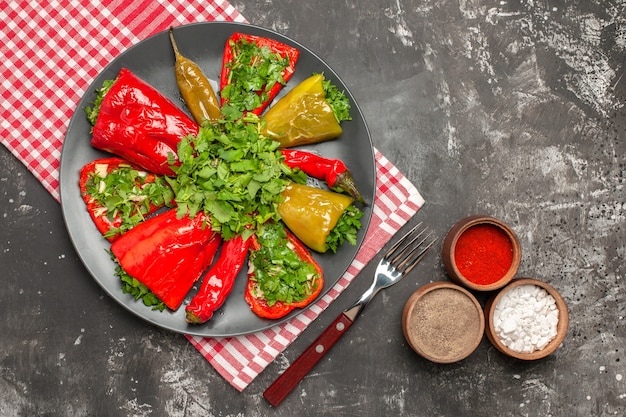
(138,123)
(168,254)
(219,281)
(100,219)
(333,171)
(274,46)
(260,307)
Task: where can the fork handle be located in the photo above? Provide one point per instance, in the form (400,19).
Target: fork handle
(288,380)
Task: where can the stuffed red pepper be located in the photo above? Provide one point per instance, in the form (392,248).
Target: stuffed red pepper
(254,69)
(282,274)
(168,254)
(120,195)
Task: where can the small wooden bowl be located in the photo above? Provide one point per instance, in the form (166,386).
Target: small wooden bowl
(443,322)
(561,329)
(449,252)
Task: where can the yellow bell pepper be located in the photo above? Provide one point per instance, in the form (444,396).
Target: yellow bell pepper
(302,116)
(311,213)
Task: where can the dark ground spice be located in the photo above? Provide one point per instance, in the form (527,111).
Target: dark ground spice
(445,324)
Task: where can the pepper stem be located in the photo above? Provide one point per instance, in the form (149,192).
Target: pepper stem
(345,182)
(174,46)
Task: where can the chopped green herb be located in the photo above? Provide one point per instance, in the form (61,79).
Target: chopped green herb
(93,110)
(346,228)
(233,173)
(280,273)
(254,70)
(337,100)
(126,192)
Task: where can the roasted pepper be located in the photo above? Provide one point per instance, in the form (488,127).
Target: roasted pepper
(333,171)
(120,195)
(282,274)
(168,254)
(313,215)
(254,69)
(302,116)
(135,121)
(194,87)
(219,281)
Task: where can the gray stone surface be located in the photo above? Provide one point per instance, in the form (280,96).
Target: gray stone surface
(512,108)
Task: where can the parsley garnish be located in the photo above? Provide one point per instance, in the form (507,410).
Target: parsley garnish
(125,192)
(337,100)
(234,174)
(346,228)
(93,110)
(254,70)
(280,273)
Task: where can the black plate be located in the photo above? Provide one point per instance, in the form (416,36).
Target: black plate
(152,60)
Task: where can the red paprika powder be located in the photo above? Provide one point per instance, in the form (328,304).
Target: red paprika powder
(483,253)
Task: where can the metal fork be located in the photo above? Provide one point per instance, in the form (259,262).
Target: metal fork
(398,261)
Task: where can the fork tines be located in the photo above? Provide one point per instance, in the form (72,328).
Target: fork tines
(405,254)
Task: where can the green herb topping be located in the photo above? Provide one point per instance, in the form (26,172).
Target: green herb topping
(337,100)
(281,274)
(234,174)
(254,70)
(126,192)
(346,228)
(93,110)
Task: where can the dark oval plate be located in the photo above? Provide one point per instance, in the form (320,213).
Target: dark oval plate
(152,60)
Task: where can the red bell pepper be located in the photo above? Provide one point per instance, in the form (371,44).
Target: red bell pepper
(243,87)
(135,121)
(333,171)
(219,281)
(255,295)
(118,195)
(168,254)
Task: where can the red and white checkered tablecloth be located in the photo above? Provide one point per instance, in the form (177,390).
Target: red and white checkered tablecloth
(53,50)
(51,53)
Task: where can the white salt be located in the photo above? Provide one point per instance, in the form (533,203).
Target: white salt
(526,318)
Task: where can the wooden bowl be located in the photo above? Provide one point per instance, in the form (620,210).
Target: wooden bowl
(443,322)
(449,252)
(561,327)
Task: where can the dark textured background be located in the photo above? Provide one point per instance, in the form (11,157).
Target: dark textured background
(509,108)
